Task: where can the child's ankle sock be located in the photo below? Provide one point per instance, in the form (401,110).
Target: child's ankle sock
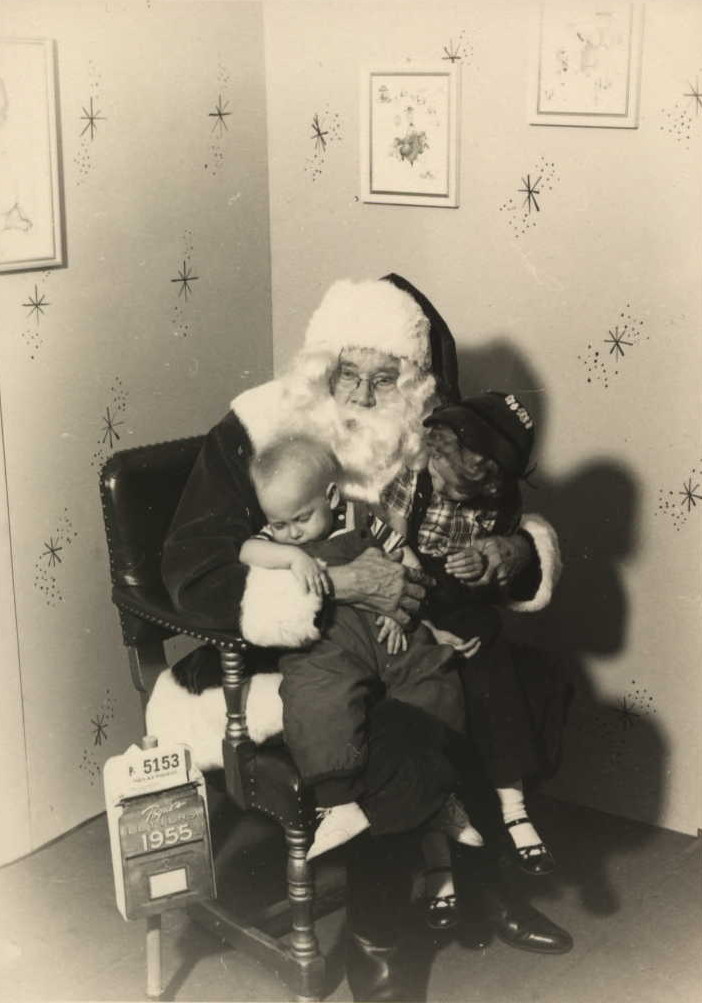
(512,803)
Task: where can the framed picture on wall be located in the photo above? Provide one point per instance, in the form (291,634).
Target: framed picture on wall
(409,144)
(30,196)
(586,63)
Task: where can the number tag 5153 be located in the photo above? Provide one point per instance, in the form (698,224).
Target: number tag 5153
(143,771)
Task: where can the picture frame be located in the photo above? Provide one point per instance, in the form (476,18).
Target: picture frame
(586,64)
(409,135)
(31,225)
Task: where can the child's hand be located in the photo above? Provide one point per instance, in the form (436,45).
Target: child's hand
(467,565)
(392,633)
(466,648)
(309,573)
(496,552)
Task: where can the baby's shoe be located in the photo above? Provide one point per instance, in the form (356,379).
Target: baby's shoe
(453,819)
(337,825)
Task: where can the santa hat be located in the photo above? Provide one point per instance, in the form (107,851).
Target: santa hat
(493,424)
(370,314)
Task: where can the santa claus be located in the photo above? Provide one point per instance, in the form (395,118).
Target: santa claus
(376,359)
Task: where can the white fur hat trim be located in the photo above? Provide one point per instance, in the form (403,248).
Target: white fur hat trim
(372,313)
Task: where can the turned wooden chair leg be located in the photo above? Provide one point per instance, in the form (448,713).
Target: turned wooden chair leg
(306,957)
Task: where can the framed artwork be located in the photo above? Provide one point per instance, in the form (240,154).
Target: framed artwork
(409,135)
(30,197)
(586,64)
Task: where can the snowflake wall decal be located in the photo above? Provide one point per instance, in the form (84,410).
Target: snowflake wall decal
(695,95)
(617,340)
(601,366)
(458,51)
(318,134)
(52,552)
(91,117)
(36,303)
(185,277)
(325,129)
(51,559)
(690,495)
(220,126)
(110,432)
(99,729)
(531,190)
(518,212)
(110,421)
(679,503)
(626,714)
(219,115)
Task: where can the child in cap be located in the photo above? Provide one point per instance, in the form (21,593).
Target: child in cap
(479,449)
(328,684)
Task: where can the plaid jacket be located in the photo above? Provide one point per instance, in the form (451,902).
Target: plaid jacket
(447,525)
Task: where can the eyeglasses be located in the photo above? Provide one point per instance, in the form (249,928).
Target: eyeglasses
(378,383)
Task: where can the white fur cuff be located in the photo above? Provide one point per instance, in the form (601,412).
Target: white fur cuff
(546,543)
(198,720)
(275,612)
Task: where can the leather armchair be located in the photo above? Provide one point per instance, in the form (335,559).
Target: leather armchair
(140,489)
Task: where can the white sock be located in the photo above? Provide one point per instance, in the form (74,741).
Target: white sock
(512,803)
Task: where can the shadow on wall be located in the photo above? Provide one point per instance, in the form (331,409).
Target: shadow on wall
(615,753)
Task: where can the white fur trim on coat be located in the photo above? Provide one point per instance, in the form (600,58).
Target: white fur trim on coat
(546,543)
(199,719)
(374,314)
(276,612)
(260,412)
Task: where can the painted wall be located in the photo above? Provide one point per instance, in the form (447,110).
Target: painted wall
(532,297)
(121,351)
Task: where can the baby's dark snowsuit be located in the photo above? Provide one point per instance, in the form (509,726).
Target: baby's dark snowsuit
(328,687)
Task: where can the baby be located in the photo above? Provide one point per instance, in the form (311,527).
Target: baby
(478,451)
(326,687)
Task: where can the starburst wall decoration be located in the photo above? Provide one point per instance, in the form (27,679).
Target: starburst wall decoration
(111,424)
(683,118)
(185,279)
(35,308)
(184,283)
(325,129)
(613,726)
(220,115)
(522,213)
(36,304)
(458,49)
(91,122)
(98,730)
(684,500)
(49,564)
(602,359)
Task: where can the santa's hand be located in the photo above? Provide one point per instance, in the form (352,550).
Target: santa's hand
(392,634)
(377,582)
(467,565)
(505,558)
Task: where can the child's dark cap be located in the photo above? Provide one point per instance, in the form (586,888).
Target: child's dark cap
(493,424)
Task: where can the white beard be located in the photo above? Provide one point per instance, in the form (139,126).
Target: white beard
(371,444)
